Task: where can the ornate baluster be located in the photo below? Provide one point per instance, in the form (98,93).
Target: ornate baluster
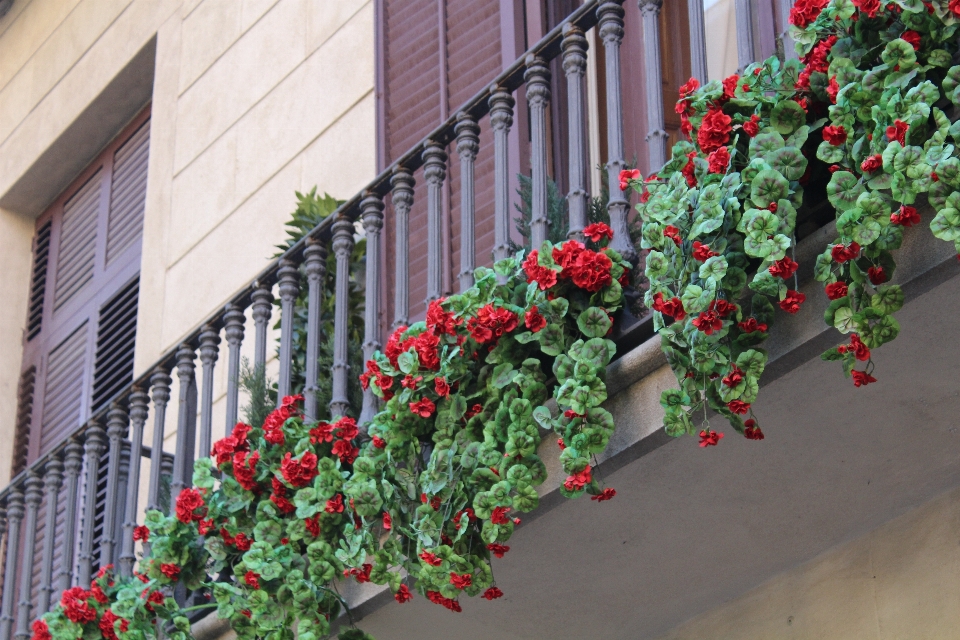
(468,144)
(186,423)
(402,183)
(209,353)
(116,431)
(160,383)
(233,321)
(72,464)
(52,479)
(3,532)
(575,66)
(371,213)
(784,41)
(315,266)
(262,308)
(118,522)
(33,496)
(610,28)
(501,119)
(139,408)
(698,42)
(434,172)
(537,77)
(15,516)
(93,447)
(745,43)
(289,287)
(342,247)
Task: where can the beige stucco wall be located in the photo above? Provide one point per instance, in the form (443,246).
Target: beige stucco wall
(898,582)
(252,100)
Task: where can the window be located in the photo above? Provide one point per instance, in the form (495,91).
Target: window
(81,324)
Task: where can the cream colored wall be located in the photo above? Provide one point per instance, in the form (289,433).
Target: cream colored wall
(720,29)
(252,100)
(898,582)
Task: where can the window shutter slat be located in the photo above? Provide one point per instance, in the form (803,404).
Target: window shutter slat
(116,341)
(63,389)
(21,437)
(78,246)
(128,192)
(38,280)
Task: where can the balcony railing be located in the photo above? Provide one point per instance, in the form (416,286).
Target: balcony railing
(52,506)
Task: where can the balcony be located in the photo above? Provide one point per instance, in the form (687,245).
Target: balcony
(691,531)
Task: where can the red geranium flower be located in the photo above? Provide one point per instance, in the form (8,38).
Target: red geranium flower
(752,126)
(733,378)
(783,268)
(493,592)
(403,594)
(423,408)
(898,131)
(41,631)
(751,430)
(872,163)
(334,504)
(189,502)
(379,442)
(907,216)
(171,571)
(672,307)
(869,7)
(730,87)
(718,161)
(837,290)
(432,559)
(791,304)
(598,230)
(861,378)
(714,130)
(710,438)
(141,532)
(75,605)
(438,320)
(498,549)
(833,89)
(441,387)
(860,350)
(499,515)
(591,271)
(750,325)
(842,253)
(606,494)
(533,320)
(543,276)
(312,525)
(626,175)
(300,472)
(689,170)
(738,406)
(252,579)
(835,135)
(708,322)
(702,252)
(804,12)
(461,581)
(345,451)
(877,275)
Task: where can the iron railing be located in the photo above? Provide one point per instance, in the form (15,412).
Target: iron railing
(69,475)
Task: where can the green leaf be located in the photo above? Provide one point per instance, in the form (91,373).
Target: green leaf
(829,153)
(788,116)
(594,322)
(503,374)
(843,320)
(677,424)
(752,362)
(843,190)
(946,224)
(696,299)
(766,284)
(713,269)
(408,362)
(888,299)
(788,161)
(900,53)
(768,186)
(551,339)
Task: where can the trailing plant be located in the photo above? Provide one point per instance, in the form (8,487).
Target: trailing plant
(875,83)
(280,512)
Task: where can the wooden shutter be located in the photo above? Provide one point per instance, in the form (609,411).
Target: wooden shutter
(128,192)
(21,436)
(63,388)
(76,255)
(38,279)
(116,340)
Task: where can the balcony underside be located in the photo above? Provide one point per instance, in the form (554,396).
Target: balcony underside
(692,528)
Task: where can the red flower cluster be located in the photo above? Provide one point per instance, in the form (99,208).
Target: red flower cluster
(751,431)
(499,515)
(273,425)
(190,506)
(750,325)
(299,473)
(861,378)
(437,598)
(606,494)
(714,130)
(545,277)
(906,216)
(804,12)
(423,408)
(869,7)
(626,175)
(835,135)
(579,480)
(783,268)
(492,593)
(718,161)
(241,542)
(791,304)
(898,131)
(334,504)
(708,322)
(738,406)
(461,581)
(403,594)
(245,468)
(815,61)
(252,579)
(856,347)
(498,549)
(362,574)
(225,449)
(171,571)
(40,630)
(533,320)
(76,606)
(673,233)
(710,438)
(702,252)
(752,126)
(107,625)
(872,163)
(672,307)
(440,321)
(877,275)
(141,532)
(733,378)
(598,230)
(491,323)
(842,253)
(837,290)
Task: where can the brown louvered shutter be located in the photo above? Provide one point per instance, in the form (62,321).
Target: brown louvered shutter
(21,435)
(81,327)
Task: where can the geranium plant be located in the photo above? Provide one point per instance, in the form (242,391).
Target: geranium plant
(863,110)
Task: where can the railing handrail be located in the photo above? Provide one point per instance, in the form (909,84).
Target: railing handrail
(509,80)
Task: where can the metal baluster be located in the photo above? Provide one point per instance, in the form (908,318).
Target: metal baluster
(698,41)
(402,183)
(371,214)
(537,77)
(33,495)
(262,308)
(160,383)
(3,532)
(434,172)
(15,515)
(288,286)
(186,423)
(72,464)
(233,321)
(575,66)
(784,40)
(52,479)
(209,353)
(116,431)
(315,266)
(745,40)
(610,28)
(139,408)
(93,447)
(501,119)
(342,247)
(118,522)
(468,144)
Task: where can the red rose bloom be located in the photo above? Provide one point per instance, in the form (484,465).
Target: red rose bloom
(606,494)
(708,322)
(898,131)
(300,472)
(783,268)
(752,126)
(710,438)
(877,275)
(403,594)
(835,135)
(626,175)
(461,581)
(714,130)
(533,320)
(423,408)
(791,304)
(861,378)
(718,161)
(334,504)
(751,431)
(543,276)
(171,571)
(493,592)
(188,503)
(907,216)
(872,163)
(837,290)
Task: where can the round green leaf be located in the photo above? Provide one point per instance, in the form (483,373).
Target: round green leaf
(768,186)
(787,117)
(843,190)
